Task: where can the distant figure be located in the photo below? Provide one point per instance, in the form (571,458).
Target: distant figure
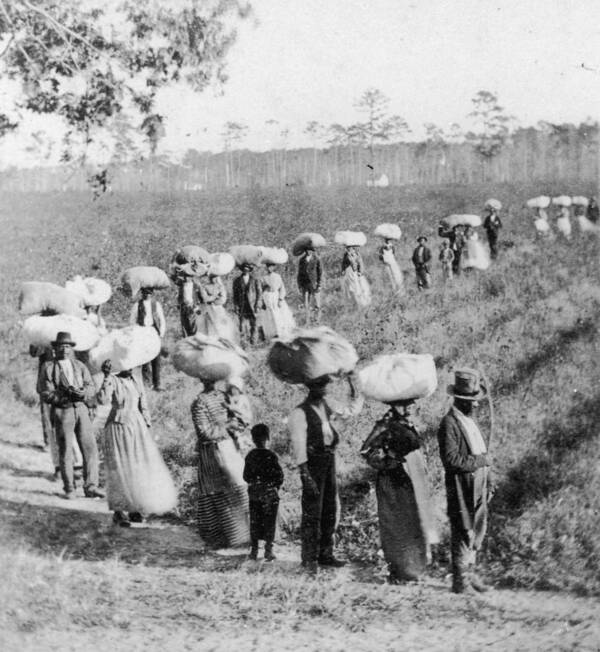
(563,221)
(446,259)
(247,299)
(420,258)
(354,285)
(276,317)
(187,305)
(213,319)
(148,312)
(387,255)
(542,225)
(264,476)
(474,256)
(593,211)
(492,225)
(456,239)
(310,277)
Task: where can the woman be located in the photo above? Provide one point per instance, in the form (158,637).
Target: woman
(406,522)
(474,254)
(223,499)
(354,285)
(542,226)
(138,481)
(276,318)
(388,258)
(187,305)
(213,318)
(563,221)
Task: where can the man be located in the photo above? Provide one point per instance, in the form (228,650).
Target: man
(314,440)
(66,385)
(148,312)
(463,450)
(247,297)
(593,211)
(310,277)
(45,354)
(492,225)
(420,258)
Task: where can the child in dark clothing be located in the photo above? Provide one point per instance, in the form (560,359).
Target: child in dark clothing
(264,477)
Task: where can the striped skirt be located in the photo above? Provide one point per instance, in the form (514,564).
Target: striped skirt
(223,519)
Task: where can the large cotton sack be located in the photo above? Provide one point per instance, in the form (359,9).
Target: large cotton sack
(388,231)
(562,200)
(307,241)
(246,254)
(220,264)
(351,238)
(191,254)
(209,358)
(542,201)
(126,348)
(457,219)
(38,297)
(579,200)
(41,331)
(496,204)
(93,291)
(136,278)
(399,377)
(273,256)
(310,354)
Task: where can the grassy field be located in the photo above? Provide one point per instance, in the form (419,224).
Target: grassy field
(530,322)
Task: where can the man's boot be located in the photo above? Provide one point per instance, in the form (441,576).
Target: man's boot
(253,551)
(269,556)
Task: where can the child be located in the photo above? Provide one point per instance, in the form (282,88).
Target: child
(239,413)
(446,258)
(264,477)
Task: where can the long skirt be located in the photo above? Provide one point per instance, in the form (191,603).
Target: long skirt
(393,270)
(475,255)
(136,476)
(223,519)
(356,287)
(563,224)
(587,226)
(406,523)
(276,320)
(216,321)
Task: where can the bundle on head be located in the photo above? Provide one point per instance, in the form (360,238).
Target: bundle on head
(273,256)
(388,231)
(246,255)
(462,220)
(542,201)
(351,238)
(136,278)
(399,377)
(579,200)
(493,203)
(190,260)
(311,354)
(42,331)
(562,200)
(307,241)
(220,264)
(93,291)
(126,348)
(49,298)
(209,358)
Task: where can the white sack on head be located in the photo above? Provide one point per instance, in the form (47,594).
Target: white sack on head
(209,358)
(220,264)
(579,200)
(351,238)
(191,254)
(543,201)
(399,377)
(246,255)
(457,219)
(562,200)
(307,241)
(493,203)
(93,291)
(42,331)
(273,256)
(310,354)
(389,231)
(126,348)
(39,297)
(136,278)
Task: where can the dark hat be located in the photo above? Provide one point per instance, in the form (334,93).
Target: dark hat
(421,237)
(467,385)
(63,338)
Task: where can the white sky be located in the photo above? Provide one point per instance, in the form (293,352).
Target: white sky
(302,60)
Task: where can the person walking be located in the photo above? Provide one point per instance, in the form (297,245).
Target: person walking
(420,258)
(463,451)
(213,319)
(406,521)
(492,225)
(314,440)
(264,476)
(446,259)
(138,481)
(276,317)
(247,302)
(66,385)
(387,255)
(310,278)
(354,284)
(149,312)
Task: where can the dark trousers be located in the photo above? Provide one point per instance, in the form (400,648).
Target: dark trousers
(74,422)
(319,513)
(263,515)
(247,326)
(492,237)
(456,261)
(423,277)
(151,370)
(46,413)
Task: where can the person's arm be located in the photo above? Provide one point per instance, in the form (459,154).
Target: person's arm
(143,404)
(452,458)
(319,270)
(162,324)
(297,427)
(281,290)
(258,292)
(88,389)
(249,474)
(133,314)
(50,393)
(359,264)
(221,296)
(104,394)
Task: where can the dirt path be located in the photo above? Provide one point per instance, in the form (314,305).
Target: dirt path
(72,581)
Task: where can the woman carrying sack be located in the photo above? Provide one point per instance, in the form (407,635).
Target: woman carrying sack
(213,318)
(276,318)
(354,285)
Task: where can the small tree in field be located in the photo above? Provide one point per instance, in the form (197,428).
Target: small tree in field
(233,132)
(492,125)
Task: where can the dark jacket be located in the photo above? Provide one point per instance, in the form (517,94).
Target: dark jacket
(310,273)
(262,467)
(246,298)
(141,314)
(421,258)
(315,440)
(352,259)
(55,387)
(492,224)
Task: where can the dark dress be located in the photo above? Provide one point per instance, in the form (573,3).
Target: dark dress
(264,476)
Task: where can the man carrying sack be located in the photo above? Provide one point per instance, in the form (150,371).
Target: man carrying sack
(463,450)
(66,384)
(148,312)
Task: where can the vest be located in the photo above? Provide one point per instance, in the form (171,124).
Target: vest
(315,444)
(141,315)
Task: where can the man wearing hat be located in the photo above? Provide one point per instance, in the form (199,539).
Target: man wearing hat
(492,224)
(420,258)
(247,297)
(310,277)
(66,385)
(463,449)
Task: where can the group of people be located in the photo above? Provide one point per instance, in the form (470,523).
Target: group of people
(585,210)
